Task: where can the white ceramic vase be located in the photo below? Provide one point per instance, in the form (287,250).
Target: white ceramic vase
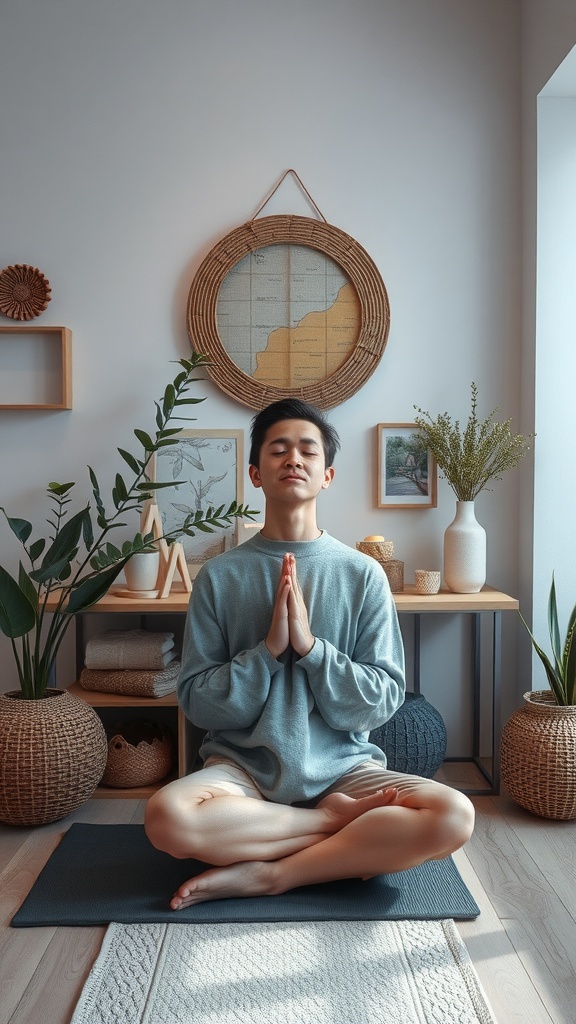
(141,571)
(465,551)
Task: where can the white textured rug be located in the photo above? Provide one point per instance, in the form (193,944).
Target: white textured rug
(318,972)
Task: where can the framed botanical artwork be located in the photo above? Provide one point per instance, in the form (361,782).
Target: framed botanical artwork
(406,476)
(209,468)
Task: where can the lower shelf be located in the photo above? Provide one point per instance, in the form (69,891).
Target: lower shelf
(132,792)
(165,709)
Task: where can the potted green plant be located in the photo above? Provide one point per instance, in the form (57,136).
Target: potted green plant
(538,753)
(561,671)
(69,571)
(469,458)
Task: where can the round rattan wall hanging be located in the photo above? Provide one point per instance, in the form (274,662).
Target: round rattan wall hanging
(289,307)
(24,292)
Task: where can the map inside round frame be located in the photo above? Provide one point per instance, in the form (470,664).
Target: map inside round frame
(289,307)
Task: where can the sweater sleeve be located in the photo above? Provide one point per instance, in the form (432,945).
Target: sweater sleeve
(358,692)
(215,691)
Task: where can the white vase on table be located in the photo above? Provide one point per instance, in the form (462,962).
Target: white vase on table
(465,551)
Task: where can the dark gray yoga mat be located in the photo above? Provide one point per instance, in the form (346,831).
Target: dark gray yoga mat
(103,873)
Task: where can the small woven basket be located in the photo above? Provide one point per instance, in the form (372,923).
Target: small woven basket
(394,570)
(381,550)
(138,764)
(538,756)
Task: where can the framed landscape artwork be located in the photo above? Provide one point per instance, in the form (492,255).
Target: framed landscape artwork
(209,467)
(406,474)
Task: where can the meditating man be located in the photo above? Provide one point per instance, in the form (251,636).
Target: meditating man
(292,655)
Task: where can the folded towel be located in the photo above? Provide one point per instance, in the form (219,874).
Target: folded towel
(129,648)
(132,682)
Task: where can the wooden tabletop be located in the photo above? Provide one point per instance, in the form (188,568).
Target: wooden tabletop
(488,599)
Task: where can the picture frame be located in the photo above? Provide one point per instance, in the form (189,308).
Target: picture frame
(210,467)
(406,472)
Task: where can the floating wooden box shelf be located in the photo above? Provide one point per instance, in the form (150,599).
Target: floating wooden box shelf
(35,367)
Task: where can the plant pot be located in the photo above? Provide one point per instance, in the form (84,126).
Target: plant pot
(465,551)
(141,571)
(52,756)
(538,756)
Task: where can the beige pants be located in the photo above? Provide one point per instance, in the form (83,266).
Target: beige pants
(363,780)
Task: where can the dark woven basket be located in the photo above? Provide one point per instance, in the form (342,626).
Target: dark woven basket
(414,740)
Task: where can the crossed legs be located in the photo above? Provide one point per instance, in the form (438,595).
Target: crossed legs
(372,821)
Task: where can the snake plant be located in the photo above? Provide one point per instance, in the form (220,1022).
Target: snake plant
(561,670)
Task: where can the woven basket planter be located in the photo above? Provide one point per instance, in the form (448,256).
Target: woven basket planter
(138,764)
(414,740)
(538,756)
(52,755)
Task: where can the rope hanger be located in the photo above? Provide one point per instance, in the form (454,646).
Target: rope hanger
(302,186)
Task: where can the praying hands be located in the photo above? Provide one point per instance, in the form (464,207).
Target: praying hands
(289,624)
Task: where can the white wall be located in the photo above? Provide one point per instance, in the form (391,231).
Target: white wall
(135,134)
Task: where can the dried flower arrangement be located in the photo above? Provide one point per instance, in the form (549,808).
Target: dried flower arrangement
(470,458)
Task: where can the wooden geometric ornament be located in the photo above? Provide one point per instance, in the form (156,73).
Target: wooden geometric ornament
(172,558)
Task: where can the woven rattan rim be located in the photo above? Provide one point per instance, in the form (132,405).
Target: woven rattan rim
(339,246)
(545,700)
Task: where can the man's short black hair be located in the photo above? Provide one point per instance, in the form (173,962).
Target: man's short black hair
(292,409)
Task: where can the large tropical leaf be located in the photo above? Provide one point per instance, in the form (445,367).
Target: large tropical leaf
(21,527)
(16,612)
(92,589)
(55,570)
(27,587)
(65,542)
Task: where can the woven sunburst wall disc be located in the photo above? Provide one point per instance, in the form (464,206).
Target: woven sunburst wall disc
(24,292)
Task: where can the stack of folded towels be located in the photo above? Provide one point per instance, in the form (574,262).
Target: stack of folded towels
(132,662)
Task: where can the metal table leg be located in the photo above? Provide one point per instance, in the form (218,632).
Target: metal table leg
(416,674)
(496,700)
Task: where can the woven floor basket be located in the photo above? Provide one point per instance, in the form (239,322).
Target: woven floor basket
(52,755)
(142,764)
(538,756)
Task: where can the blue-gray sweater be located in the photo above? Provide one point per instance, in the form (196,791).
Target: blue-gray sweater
(295,724)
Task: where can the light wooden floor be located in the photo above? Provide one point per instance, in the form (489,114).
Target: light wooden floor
(520,869)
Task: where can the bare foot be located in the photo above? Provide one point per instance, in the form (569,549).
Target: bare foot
(248,878)
(260,878)
(343,809)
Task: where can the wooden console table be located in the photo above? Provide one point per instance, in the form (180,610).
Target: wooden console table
(488,601)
